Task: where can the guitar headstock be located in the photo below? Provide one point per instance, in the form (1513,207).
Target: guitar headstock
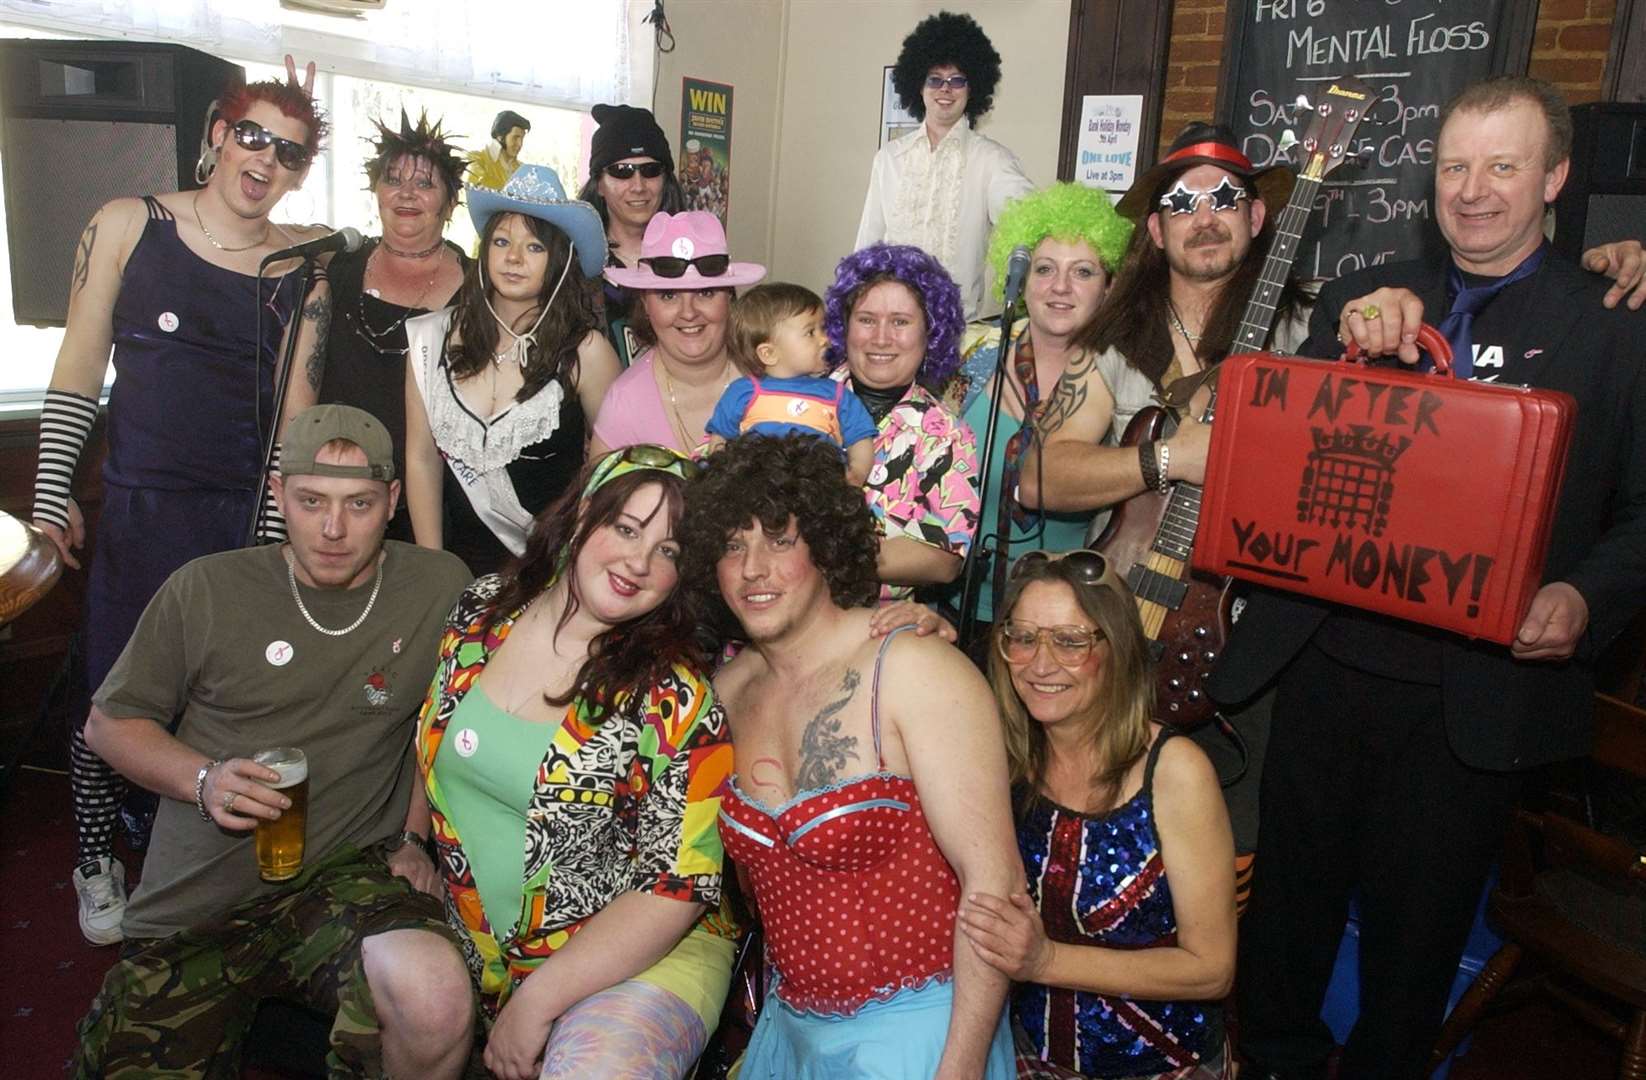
(1338,114)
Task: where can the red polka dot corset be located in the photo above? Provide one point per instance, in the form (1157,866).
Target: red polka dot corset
(856,899)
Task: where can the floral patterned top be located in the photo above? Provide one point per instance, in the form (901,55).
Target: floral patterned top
(625,800)
(923,485)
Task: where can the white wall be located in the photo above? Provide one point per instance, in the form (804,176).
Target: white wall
(837,50)
(806,111)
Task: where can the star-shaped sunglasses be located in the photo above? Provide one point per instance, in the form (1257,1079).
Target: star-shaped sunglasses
(1183,199)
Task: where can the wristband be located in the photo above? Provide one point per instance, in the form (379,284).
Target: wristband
(1148,465)
(65,424)
(1162,483)
(271,523)
(200,787)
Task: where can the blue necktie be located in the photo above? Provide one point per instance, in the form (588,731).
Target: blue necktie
(1468,301)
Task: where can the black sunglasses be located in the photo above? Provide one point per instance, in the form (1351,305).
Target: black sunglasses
(622,170)
(1088,566)
(670,267)
(254,136)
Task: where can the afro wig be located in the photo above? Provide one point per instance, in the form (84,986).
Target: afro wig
(939,298)
(423,141)
(947,38)
(1065,212)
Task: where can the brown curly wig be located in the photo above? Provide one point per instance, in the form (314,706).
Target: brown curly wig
(770,480)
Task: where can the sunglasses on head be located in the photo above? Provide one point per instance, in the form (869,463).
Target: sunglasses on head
(254,136)
(623,170)
(671,267)
(1183,199)
(1088,567)
(641,456)
(953,82)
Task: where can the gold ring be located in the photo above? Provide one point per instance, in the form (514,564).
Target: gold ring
(228,801)
(1370,311)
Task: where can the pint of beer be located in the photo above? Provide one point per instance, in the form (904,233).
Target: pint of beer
(280,842)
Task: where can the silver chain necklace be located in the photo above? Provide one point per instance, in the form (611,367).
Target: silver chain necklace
(1171,311)
(200,221)
(291,578)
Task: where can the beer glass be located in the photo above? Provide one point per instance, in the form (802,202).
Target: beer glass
(280,842)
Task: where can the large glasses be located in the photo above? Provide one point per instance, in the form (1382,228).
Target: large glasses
(254,136)
(671,267)
(1183,199)
(953,82)
(641,456)
(623,170)
(1070,645)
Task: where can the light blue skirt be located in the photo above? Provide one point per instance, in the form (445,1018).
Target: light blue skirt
(900,1038)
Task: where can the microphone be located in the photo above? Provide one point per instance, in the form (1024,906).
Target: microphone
(344,239)
(1017,268)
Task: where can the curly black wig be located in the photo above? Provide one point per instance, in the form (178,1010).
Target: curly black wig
(769,480)
(427,141)
(947,38)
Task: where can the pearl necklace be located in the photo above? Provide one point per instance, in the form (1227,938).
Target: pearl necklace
(291,578)
(198,220)
(1171,312)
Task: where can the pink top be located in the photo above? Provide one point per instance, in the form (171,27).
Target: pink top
(633,410)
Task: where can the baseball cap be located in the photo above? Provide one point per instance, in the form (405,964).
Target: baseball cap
(318,425)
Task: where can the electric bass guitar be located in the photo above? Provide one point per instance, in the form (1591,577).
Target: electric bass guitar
(1149,537)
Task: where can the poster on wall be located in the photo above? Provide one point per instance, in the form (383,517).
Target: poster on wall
(706,145)
(1106,155)
(895,120)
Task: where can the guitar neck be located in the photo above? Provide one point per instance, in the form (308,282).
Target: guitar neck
(1175,536)
(1259,315)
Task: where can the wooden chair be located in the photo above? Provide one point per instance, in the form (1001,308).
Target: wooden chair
(1575,899)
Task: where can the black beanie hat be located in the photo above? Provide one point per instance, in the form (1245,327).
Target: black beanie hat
(624,132)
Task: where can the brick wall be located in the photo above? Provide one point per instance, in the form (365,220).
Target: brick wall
(1569,50)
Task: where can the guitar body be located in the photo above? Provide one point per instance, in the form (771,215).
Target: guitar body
(1185,613)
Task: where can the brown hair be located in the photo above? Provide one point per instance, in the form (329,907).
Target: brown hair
(755,316)
(1501,91)
(1118,725)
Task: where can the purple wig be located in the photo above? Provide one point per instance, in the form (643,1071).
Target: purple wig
(939,296)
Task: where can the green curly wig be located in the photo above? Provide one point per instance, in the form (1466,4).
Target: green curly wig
(1066,212)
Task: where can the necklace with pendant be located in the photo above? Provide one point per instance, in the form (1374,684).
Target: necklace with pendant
(198,220)
(686,439)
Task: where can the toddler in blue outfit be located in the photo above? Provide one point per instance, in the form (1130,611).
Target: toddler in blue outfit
(776,339)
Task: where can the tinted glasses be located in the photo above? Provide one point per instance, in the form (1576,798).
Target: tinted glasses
(953,82)
(623,170)
(670,267)
(1070,645)
(254,136)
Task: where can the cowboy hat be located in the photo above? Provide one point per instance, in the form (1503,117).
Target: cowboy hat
(535,191)
(1205,144)
(693,234)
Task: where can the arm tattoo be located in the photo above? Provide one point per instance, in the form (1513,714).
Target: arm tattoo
(824,752)
(1068,397)
(318,311)
(82,257)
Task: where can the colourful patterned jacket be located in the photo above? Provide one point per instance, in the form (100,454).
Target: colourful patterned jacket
(627,802)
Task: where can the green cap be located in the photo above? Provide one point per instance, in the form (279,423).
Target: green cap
(316,426)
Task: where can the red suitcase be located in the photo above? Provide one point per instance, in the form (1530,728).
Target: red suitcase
(1424,497)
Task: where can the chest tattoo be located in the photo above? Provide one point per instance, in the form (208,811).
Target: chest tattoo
(824,751)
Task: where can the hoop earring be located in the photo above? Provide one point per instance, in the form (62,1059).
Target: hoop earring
(205,165)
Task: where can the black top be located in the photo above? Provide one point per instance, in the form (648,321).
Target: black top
(366,356)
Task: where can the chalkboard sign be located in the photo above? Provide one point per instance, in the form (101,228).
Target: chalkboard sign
(1416,54)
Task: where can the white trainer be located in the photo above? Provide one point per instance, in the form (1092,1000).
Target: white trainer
(101,885)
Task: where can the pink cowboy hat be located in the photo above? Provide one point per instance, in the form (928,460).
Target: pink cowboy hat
(685,251)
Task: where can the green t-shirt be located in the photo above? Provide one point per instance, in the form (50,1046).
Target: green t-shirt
(223,645)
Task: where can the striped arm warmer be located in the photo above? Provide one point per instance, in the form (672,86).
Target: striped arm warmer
(65,423)
(271,522)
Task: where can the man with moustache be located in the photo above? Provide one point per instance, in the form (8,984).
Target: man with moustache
(324,644)
(170,283)
(1397,751)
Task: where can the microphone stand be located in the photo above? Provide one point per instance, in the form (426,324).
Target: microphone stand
(1001,538)
(282,382)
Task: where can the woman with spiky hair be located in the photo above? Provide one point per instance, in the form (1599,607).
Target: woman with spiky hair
(940,188)
(417,176)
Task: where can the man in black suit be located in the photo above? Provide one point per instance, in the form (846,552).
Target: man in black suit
(1396,751)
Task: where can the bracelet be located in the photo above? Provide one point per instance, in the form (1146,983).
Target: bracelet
(200,788)
(1148,465)
(1162,484)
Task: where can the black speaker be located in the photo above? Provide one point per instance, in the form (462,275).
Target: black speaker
(1605,194)
(83,122)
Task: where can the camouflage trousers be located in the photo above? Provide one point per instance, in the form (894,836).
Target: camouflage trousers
(179,1007)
